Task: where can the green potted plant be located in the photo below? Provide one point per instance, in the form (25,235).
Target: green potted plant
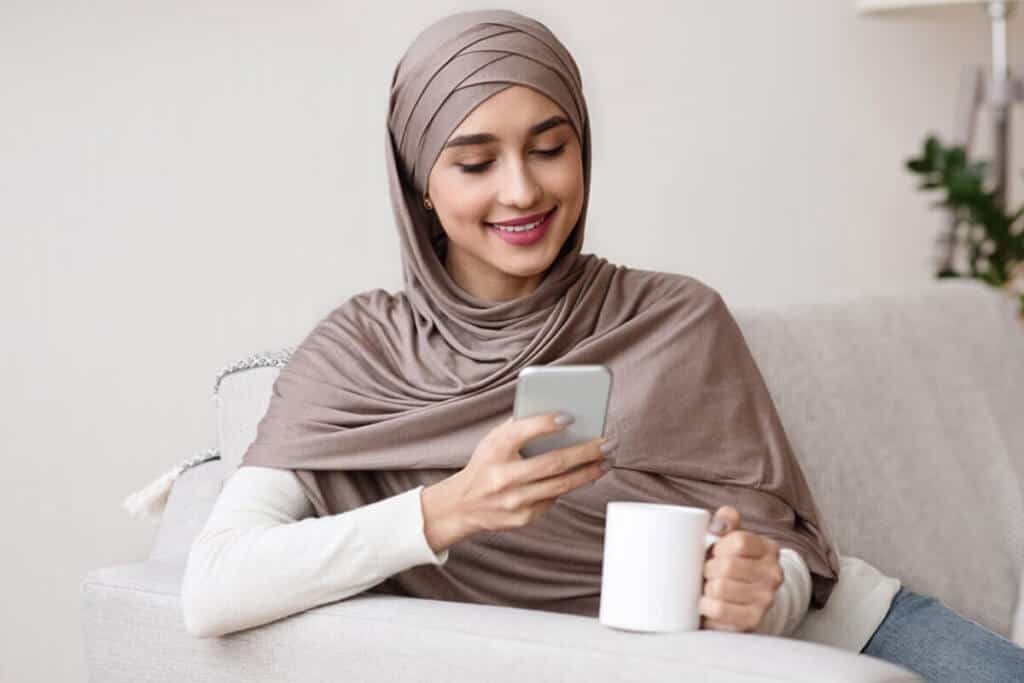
(992,238)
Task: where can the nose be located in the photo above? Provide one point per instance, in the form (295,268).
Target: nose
(519,188)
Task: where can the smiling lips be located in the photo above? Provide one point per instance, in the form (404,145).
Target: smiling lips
(535,225)
(532,218)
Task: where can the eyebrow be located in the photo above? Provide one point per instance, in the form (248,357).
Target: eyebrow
(480,138)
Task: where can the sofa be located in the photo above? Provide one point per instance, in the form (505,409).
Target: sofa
(904,409)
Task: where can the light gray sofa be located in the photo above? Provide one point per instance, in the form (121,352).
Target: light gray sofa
(905,411)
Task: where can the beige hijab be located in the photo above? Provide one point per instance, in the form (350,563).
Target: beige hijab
(390,391)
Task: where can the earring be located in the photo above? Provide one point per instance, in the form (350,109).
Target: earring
(427,203)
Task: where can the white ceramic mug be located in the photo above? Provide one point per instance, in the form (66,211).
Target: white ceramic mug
(653,572)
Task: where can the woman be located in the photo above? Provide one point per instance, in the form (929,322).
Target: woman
(387,460)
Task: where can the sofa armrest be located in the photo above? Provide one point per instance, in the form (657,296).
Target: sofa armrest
(134,630)
(188,507)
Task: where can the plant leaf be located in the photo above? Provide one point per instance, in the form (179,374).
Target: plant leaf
(933,150)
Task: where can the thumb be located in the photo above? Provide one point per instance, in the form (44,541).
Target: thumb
(726,520)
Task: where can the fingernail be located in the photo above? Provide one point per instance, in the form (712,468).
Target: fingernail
(607,447)
(717,526)
(563,419)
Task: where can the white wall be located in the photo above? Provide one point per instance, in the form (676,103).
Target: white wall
(184,183)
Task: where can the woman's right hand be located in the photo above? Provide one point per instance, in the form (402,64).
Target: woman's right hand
(499,489)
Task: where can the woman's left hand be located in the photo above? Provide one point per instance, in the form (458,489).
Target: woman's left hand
(741,577)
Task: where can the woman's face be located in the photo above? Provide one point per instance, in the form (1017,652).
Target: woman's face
(514,156)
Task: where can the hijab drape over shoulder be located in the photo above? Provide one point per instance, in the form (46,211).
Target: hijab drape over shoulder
(390,391)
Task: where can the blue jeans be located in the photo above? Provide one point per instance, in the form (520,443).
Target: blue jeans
(920,633)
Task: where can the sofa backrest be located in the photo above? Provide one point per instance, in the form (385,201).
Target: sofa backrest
(904,410)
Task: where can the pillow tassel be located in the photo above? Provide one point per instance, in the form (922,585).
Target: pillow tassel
(151,500)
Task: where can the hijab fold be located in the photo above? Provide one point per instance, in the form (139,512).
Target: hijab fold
(392,391)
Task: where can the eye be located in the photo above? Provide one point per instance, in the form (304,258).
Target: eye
(479,168)
(551,152)
(474,168)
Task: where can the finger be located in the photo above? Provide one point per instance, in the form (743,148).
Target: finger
(728,515)
(734,567)
(515,433)
(553,487)
(745,544)
(730,615)
(556,462)
(739,592)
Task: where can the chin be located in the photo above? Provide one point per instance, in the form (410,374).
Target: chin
(533,262)
(523,266)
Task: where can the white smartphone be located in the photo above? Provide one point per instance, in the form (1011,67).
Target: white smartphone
(580,390)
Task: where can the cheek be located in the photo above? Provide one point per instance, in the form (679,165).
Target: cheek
(469,208)
(463,204)
(565,180)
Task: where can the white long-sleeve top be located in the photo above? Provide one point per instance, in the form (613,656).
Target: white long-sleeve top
(263,555)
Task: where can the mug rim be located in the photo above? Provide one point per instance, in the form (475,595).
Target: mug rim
(641,505)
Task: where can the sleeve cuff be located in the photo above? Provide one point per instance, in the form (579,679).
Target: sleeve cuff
(792,598)
(429,555)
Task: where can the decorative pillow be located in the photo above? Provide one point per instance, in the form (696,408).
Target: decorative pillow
(242,393)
